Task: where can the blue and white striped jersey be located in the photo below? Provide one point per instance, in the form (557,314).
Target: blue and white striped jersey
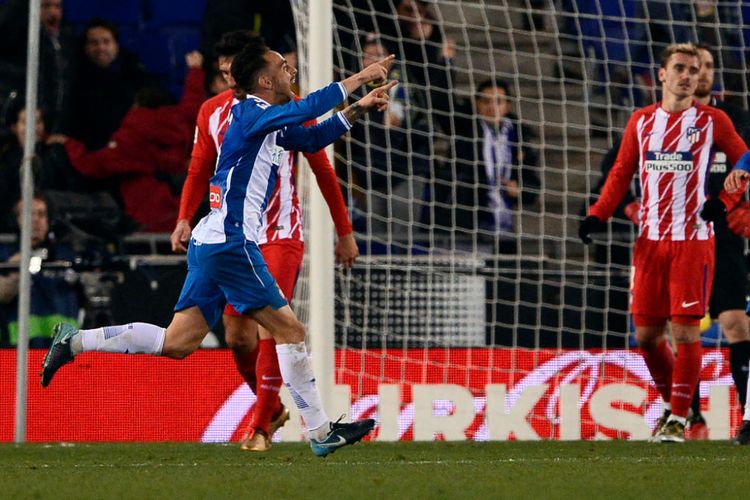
(257,140)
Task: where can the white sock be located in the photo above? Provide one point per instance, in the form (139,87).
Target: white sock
(667,406)
(746,416)
(682,420)
(299,378)
(133,338)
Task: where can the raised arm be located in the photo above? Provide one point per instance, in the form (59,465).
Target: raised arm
(313,138)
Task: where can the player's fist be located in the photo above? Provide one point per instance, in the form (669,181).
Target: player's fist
(632,211)
(713,210)
(180,236)
(194,59)
(588,226)
(736,179)
(738,220)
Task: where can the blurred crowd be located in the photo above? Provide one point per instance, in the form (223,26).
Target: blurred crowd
(112,132)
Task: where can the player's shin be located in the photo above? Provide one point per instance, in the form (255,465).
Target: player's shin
(132,338)
(269,383)
(660,361)
(296,370)
(687,370)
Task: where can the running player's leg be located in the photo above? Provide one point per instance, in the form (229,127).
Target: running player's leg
(183,336)
(284,259)
(241,334)
(199,305)
(248,285)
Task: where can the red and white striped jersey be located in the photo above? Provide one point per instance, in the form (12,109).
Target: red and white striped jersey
(673,153)
(283,217)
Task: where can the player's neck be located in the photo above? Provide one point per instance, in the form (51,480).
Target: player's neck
(705,100)
(674,104)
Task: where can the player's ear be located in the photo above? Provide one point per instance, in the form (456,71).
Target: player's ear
(265,81)
(662,75)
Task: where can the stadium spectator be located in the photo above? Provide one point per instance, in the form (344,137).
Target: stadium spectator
(281,245)
(152,142)
(730,287)
(51,168)
(495,164)
(674,255)
(56,58)
(226,265)
(107,81)
(55,296)
(390,151)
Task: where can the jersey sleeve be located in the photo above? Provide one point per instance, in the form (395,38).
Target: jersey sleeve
(311,139)
(203,145)
(726,137)
(618,180)
(256,120)
(195,187)
(325,176)
(202,162)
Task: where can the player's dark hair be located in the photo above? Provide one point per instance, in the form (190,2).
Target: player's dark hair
(100,22)
(249,64)
(232,42)
(704,46)
(493,83)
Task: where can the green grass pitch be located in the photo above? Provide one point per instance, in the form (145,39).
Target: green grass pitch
(440,470)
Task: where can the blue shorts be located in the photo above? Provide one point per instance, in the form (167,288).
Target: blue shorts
(233,272)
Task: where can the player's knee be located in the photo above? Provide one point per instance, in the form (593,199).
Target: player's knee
(293,333)
(647,340)
(177,351)
(735,327)
(239,340)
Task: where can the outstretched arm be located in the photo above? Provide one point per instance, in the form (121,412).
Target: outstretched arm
(309,139)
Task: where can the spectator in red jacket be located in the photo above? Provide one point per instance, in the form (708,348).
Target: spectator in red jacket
(151,141)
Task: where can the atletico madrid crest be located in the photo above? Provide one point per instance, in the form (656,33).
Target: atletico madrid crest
(693,134)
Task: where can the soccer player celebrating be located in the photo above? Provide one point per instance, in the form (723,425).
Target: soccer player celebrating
(671,143)
(225,264)
(280,241)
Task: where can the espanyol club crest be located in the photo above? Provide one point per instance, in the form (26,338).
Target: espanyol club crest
(693,134)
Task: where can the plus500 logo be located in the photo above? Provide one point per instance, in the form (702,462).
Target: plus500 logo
(657,161)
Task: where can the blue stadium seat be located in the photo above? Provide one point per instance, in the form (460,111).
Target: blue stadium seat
(120,12)
(163,53)
(163,13)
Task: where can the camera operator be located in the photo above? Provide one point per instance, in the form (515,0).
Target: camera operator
(55,295)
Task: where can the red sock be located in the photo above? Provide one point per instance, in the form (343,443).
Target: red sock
(687,374)
(660,363)
(246,366)
(269,376)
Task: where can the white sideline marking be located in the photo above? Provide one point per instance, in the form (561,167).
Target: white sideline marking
(660,460)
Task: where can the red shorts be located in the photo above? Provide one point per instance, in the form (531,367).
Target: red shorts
(284,260)
(672,278)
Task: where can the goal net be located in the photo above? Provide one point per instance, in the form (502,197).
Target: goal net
(474,310)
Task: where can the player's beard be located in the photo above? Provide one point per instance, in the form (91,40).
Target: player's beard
(701,92)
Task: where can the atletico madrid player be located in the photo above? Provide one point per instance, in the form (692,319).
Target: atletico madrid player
(671,143)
